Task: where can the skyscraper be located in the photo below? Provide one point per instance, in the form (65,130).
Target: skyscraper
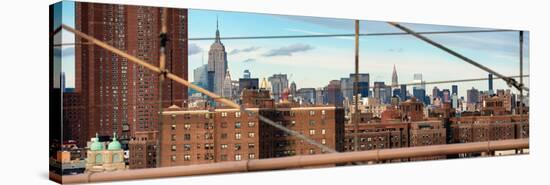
(334,93)
(346,85)
(227,87)
(200,75)
(118,94)
(403,92)
(491,84)
(436,92)
(362,84)
(382,92)
(246,74)
(394,81)
(418,79)
(420,95)
(293,89)
(279,82)
(217,63)
(306,95)
(472,95)
(454,89)
(446,95)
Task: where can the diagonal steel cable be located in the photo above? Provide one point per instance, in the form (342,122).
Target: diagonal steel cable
(180,80)
(509,81)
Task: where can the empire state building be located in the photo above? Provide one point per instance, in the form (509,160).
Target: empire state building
(217,64)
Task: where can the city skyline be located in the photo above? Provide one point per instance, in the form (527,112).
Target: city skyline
(378,55)
(131,107)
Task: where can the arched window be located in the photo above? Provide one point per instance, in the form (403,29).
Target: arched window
(116,158)
(99,159)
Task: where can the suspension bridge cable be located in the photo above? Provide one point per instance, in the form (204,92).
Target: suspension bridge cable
(509,81)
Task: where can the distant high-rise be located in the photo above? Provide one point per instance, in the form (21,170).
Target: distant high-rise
(279,82)
(403,93)
(436,92)
(454,89)
(200,75)
(472,95)
(227,87)
(217,63)
(306,95)
(454,101)
(246,74)
(334,93)
(247,83)
(491,84)
(420,82)
(394,81)
(362,84)
(320,96)
(119,95)
(293,89)
(382,92)
(346,85)
(446,95)
(420,95)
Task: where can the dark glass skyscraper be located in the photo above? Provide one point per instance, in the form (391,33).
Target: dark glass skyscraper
(403,92)
(491,84)
(454,90)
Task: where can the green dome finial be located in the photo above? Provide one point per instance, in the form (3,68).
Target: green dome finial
(114,145)
(96,145)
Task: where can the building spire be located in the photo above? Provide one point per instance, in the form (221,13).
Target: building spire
(217,31)
(394,77)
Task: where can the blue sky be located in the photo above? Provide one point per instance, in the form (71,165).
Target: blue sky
(313,62)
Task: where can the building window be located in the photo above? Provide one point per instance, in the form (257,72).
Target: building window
(251,124)
(224,135)
(223,157)
(237,135)
(237,124)
(237,157)
(311,122)
(173,127)
(251,134)
(323,131)
(251,156)
(173,137)
(224,146)
(173,158)
(224,114)
(187,157)
(323,112)
(224,125)
(237,114)
(311,151)
(208,136)
(311,131)
(323,141)
(187,147)
(187,137)
(237,147)
(187,126)
(173,148)
(311,112)
(250,145)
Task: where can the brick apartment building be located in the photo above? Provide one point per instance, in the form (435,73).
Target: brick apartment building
(117,95)
(224,134)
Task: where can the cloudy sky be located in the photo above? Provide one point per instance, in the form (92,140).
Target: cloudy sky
(313,62)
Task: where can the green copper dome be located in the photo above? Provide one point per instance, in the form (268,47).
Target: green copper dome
(114,145)
(96,145)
